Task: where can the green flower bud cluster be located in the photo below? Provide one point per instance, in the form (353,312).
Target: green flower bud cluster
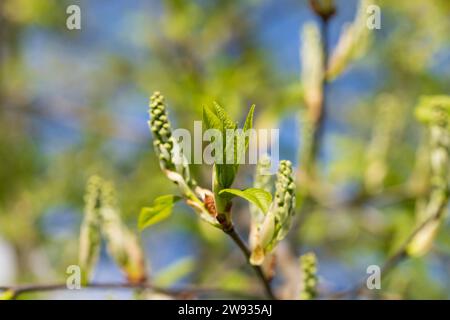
(162,133)
(388,124)
(277,222)
(122,244)
(353,42)
(284,199)
(165,145)
(102,218)
(308,266)
(434,111)
(90,238)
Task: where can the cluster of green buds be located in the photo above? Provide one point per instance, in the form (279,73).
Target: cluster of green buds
(90,239)
(167,149)
(276,223)
(174,164)
(435,112)
(388,124)
(308,269)
(353,42)
(102,217)
(122,244)
(162,133)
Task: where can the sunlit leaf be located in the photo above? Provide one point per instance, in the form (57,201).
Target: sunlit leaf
(210,119)
(227,122)
(161,210)
(260,198)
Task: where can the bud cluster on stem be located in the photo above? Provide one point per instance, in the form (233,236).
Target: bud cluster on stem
(308,266)
(435,112)
(276,223)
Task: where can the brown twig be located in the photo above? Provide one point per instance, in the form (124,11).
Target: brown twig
(318,113)
(259,272)
(184,293)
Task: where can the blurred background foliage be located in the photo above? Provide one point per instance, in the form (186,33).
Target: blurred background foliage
(73,104)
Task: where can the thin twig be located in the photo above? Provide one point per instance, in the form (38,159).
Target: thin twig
(319,125)
(263,279)
(400,255)
(175,293)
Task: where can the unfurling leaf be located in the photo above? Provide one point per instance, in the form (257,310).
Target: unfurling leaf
(161,209)
(258,197)
(248,124)
(234,142)
(216,118)
(211,120)
(225,174)
(227,123)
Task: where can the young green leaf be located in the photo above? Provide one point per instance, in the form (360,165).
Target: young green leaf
(217,118)
(259,197)
(247,126)
(249,120)
(211,120)
(161,209)
(225,174)
(227,122)
(226,171)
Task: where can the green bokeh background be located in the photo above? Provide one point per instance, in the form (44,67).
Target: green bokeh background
(73,103)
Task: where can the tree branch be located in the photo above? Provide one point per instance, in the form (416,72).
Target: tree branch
(184,293)
(259,272)
(400,255)
(319,126)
